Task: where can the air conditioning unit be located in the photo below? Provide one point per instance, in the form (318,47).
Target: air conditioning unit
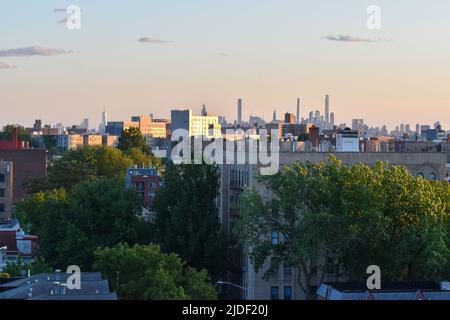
(445,285)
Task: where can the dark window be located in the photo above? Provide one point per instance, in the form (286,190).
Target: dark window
(275,237)
(274,293)
(287,273)
(287,293)
(2,177)
(2,193)
(274,265)
(2,207)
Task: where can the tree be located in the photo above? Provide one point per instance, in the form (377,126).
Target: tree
(187,219)
(399,222)
(144,272)
(51,144)
(329,215)
(39,266)
(71,225)
(135,146)
(132,138)
(84,163)
(6,134)
(14,269)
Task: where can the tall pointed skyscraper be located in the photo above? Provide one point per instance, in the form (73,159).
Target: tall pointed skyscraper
(327,111)
(297,119)
(239,112)
(104,122)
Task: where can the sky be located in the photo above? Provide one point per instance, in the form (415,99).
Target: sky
(135,57)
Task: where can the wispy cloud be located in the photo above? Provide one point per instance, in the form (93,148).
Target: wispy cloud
(4,65)
(152,40)
(348,38)
(224,54)
(32,51)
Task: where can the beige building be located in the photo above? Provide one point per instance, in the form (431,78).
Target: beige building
(157,128)
(236,178)
(111,141)
(207,126)
(74,141)
(92,140)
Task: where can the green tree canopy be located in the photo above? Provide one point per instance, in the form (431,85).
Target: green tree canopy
(187,219)
(329,216)
(72,225)
(132,138)
(144,272)
(84,163)
(6,134)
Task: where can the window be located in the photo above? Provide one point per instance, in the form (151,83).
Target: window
(2,193)
(274,293)
(2,207)
(287,273)
(287,293)
(433,176)
(274,264)
(2,177)
(275,237)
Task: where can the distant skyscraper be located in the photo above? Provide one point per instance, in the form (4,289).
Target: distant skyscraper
(327,111)
(104,122)
(358,124)
(331,120)
(85,124)
(311,117)
(297,120)
(204,113)
(274,115)
(288,118)
(239,111)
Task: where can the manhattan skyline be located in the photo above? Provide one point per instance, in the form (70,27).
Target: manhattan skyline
(153,56)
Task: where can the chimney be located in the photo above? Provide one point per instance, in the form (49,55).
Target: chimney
(15,137)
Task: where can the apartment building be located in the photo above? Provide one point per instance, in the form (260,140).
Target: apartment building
(156,128)
(234,179)
(207,126)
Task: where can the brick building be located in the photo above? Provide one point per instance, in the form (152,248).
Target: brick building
(28,163)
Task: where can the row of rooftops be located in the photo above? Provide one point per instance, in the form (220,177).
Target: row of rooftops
(389,291)
(52,286)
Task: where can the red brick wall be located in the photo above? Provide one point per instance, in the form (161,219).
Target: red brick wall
(27,163)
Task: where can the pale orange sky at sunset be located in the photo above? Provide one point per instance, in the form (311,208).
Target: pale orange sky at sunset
(213,52)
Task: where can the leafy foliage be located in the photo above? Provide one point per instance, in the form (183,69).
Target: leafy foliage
(347,218)
(187,219)
(84,163)
(144,272)
(71,225)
